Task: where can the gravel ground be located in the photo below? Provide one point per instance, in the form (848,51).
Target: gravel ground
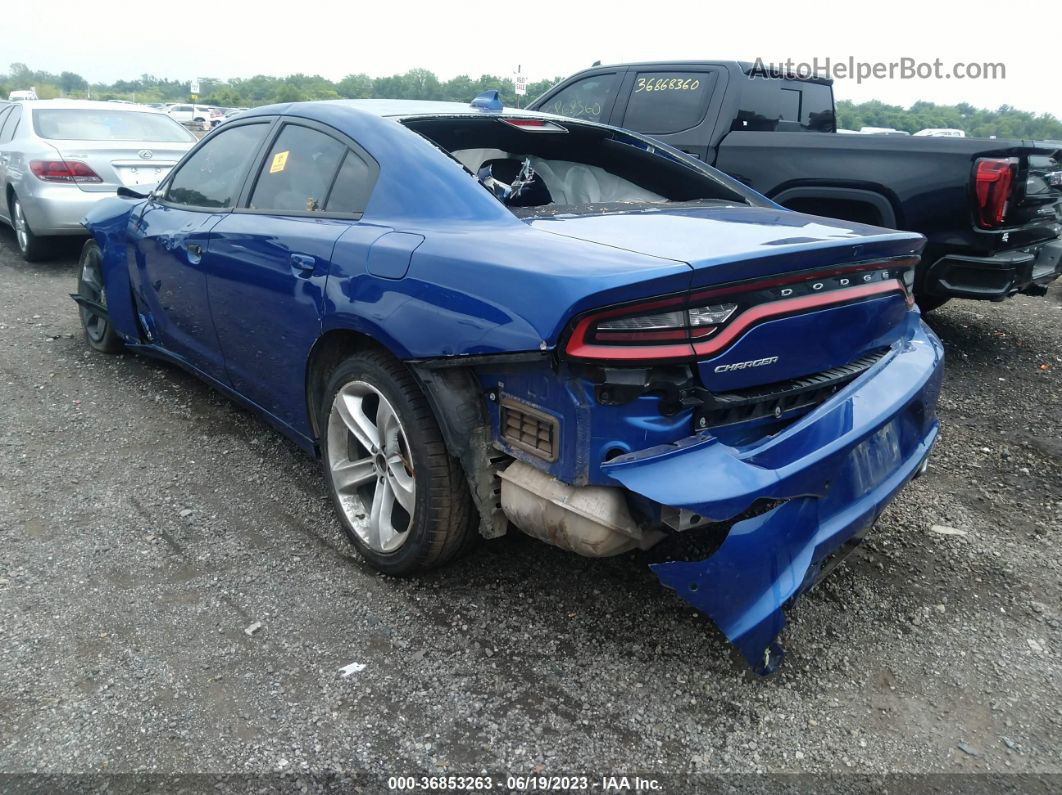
(177,596)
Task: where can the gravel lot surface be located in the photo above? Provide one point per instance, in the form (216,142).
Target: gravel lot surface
(175,595)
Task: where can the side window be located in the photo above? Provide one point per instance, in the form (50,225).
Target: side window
(669,102)
(4,111)
(783,105)
(298,171)
(213,175)
(350,193)
(7,130)
(586,99)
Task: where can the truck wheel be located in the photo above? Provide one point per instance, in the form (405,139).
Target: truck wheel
(31,247)
(99,333)
(927,303)
(402,500)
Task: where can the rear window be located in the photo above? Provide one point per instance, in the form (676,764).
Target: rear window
(668,102)
(90,124)
(781,105)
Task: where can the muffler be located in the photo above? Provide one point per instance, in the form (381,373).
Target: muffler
(593,521)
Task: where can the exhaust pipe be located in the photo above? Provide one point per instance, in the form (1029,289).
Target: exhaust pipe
(593,521)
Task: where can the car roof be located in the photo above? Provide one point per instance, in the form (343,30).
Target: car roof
(743,66)
(409,108)
(398,109)
(85,104)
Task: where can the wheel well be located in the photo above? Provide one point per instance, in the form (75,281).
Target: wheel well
(845,209)
(862,205)
(329,350)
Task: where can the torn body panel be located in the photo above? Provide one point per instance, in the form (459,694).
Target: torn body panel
(834,470)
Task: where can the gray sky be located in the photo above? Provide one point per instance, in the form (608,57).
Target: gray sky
(109,39)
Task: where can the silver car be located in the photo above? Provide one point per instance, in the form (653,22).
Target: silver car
(59,157)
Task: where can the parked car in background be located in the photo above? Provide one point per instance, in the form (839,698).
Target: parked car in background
(988,237)
(882,131)
(22,96)
(60,157)
(941,132)
(610,345)
(195,115)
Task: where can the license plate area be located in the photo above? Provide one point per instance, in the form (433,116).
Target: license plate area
(149,174)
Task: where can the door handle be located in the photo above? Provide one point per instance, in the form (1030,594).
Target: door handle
(195,253)
(303,263)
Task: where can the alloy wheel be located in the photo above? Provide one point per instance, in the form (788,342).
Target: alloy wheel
(21,230)
(371,466)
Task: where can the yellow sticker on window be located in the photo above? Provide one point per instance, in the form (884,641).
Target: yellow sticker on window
(280,160)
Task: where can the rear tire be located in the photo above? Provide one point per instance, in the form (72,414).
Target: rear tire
(99,333)
(31,247)
(383,454)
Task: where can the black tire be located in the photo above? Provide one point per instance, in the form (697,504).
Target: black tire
(99,333)
(927,303)
(30,246)
(444,519)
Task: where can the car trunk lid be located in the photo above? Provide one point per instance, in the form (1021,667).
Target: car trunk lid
(800,294)
(118,163)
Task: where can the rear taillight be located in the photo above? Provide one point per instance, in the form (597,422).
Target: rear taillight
(993,181)
(705,322)
(63,171)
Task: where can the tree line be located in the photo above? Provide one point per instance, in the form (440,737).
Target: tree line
(1004,122)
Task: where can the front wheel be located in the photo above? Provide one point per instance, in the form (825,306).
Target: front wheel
(402,499)
(95,320)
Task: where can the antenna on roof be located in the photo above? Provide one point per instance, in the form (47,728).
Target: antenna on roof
(488,100)
(596,63)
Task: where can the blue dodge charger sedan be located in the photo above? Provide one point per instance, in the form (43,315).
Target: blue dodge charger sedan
(481,319)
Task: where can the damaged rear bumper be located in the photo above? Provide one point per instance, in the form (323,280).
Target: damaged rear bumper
(834,471)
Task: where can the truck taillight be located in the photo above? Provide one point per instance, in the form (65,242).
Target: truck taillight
(63,171)
(993,180)
(706,321)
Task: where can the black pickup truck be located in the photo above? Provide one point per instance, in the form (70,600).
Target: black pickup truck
(990,209)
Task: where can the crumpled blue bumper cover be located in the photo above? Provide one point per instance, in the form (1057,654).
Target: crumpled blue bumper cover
(836,469)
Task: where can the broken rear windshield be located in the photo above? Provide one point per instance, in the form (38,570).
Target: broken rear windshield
(572,167)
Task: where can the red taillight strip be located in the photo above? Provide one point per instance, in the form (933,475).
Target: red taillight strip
(579,348)
(788,306)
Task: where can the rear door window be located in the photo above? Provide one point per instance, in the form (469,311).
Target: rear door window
(298,172)
(668,102)
(352,187)
(588,99)
(782,105)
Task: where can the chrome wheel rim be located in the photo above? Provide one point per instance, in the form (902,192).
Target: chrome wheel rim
(90,286)
(21,230)
(371,467)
